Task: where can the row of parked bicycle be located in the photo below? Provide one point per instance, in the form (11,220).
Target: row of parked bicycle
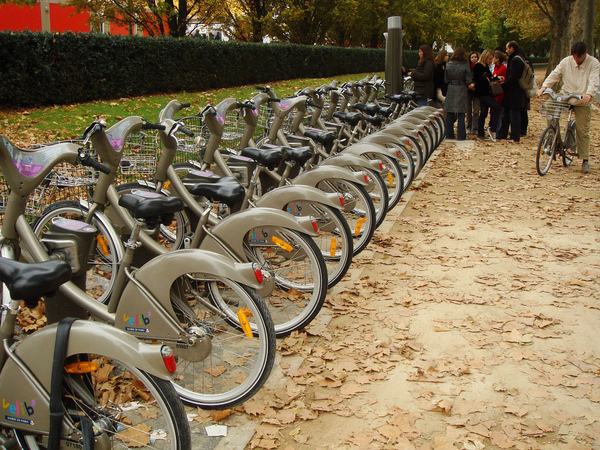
(230,228)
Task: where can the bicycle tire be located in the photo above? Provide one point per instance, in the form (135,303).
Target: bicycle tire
(297,266)
(106,253)
(545,151)
(393,177)
(334,239)
(127,406)
(361,218)
(239,364)
(379,195)
(569,154)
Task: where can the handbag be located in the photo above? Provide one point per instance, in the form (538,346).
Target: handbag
(496,88)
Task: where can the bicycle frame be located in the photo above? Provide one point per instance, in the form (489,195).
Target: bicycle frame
(136,298)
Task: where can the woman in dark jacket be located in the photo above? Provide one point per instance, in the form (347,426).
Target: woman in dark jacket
(439,85)
(460,80)
(482,78)
(422,75)
(514,96)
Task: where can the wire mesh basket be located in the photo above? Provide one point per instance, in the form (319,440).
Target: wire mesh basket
(192,147)
(266,116)
(553,108)
(234,129)
(140,153)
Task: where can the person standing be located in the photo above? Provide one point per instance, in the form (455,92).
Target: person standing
(422,75)
(499,72)
(482,78)
(514,96)
(473,111)
(579,74)
(439,84)
(460,80)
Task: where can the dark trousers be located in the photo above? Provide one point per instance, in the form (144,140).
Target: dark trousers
(461,130)
(486,103)
(510,117)
(524,122)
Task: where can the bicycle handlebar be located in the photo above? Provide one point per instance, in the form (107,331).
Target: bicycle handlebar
(271,100)
(209,110)
(185,105)
(86,160)
(153,126)
(184,130)
(247,104)
(313,104)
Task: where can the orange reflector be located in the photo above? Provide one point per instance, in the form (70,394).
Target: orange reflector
(391,179)
(243,318)
(333,247)
(281,243)
(359,225)
(167,184)
(102,244)
(81,367)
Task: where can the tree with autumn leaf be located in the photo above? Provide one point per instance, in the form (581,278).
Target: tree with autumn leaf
(174,18)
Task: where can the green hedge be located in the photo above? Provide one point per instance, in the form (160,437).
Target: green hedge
(45,68)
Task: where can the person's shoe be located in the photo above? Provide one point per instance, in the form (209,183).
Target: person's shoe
(585,167)
(490,134)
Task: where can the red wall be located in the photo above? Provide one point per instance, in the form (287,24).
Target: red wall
(62,18)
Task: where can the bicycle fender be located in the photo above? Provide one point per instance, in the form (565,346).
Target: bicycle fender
(280,197)
(382,138)
(234,229)
(363,148)
(157,277)
(321,173)
(345,159)
(31,401)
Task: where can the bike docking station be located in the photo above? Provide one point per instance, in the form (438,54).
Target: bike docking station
(394,55)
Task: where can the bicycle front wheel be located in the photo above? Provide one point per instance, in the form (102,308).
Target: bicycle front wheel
(296,264)
(334,239)
(241,359)
(359,211)
(545,152)
(125,406)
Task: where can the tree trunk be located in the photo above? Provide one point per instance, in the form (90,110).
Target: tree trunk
(561,37)
(582,23)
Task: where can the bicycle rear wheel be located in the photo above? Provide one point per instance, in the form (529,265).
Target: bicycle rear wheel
(127,407)
(570,153)
(240,360)
(545,152)
(105,254)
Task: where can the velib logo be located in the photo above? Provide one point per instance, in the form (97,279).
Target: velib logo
(19,411)
(137,322)
(259,235)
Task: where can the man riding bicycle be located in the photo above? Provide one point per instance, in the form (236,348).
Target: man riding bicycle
(580,74)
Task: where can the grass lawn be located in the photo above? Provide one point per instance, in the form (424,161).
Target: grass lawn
(25,127)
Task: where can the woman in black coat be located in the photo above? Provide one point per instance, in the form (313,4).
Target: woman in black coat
(482,78)
(422,75)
